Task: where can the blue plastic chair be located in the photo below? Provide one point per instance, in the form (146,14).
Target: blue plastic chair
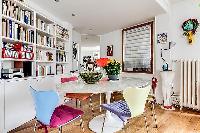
(49,114)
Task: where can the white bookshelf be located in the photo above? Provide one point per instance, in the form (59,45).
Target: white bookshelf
(12,40)
(52,36)
(18,22)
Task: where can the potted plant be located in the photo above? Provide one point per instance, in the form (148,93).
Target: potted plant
(112,67)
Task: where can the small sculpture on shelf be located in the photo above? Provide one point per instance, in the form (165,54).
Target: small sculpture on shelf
(49,56)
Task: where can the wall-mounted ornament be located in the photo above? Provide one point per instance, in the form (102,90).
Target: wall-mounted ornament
(110,50)
(75,50)
(190,27)
(166,55)
(162,38)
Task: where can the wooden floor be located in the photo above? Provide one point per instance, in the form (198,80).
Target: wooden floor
(186,121)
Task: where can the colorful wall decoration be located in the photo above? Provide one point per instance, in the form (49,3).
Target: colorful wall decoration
(110,50)
(17,51)
(190,27)
(162,38)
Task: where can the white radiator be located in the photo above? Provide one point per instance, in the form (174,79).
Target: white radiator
(189,85)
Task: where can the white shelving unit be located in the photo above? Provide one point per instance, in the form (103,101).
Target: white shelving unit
(47,41)
(15,91)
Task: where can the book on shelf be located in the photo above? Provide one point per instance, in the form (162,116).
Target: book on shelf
(17,51)
(42,55)
(62,32)
(60,45)
(43,70)
(59,69)
(10,9)
(45,40)
(42,25)
(16,31)
(61,57)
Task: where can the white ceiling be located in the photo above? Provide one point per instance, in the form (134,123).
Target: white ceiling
(175,1)
(102,16)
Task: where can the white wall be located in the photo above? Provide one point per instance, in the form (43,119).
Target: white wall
(90,44)
(170,23)
(113,38)
(165,4)
(76,37)
(90,40)
(181,12)
(89,51)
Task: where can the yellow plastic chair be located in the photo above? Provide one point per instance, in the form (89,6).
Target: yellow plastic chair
(136,100)
(133,106)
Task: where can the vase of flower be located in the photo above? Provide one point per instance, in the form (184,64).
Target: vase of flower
(113,77)
(112,67)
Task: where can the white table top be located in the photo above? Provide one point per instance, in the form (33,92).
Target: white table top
(102,86)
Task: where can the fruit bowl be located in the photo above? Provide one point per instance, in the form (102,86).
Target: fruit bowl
(91,77)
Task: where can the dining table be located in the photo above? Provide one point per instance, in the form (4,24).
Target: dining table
(108,122)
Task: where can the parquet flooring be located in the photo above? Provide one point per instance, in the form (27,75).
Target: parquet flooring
(185,121)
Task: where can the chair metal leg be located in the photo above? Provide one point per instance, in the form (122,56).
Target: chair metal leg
(154,114)
(100,109)
(65,100)
(145,120)
(76,103)
(46,130)
(91,106)
(35,127)
(80,105)
(124,129)
(60,129)
(113,97)
(81,125)
(104,99)
(104,119)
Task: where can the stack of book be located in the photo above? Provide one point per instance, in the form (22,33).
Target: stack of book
(59,69)
(10,9)
(61,57)
(43,70)
(60,45)
(49,28)
(62,32)
(16,31)
(45,40)
(44,55)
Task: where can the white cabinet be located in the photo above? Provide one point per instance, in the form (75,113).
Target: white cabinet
(19,106)
(43,83)
(1,106)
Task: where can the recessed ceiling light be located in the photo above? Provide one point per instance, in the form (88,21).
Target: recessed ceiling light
(57,0)
(73,15)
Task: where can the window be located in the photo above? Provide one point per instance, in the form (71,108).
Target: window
(138,48)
